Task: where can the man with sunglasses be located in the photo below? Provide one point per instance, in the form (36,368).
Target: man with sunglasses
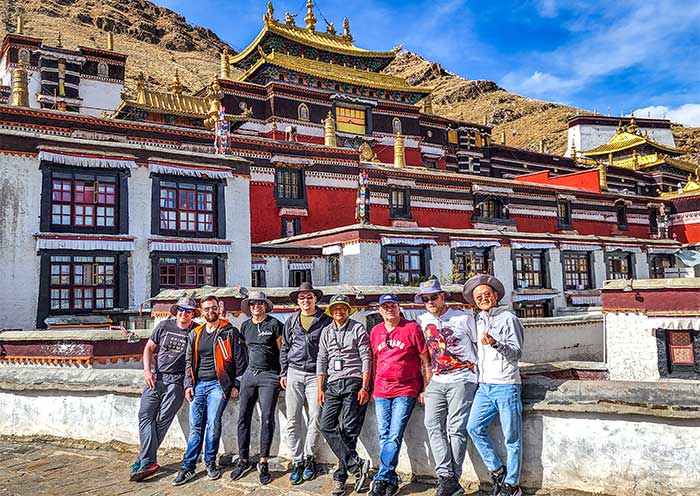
(451,338)
(262,334)
(214,360)
(398,351)
(298,355)
(164,392)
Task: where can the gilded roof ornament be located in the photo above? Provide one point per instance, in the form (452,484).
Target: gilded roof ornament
(632,128)
(110,41)
(176,85)
(225,65)
(310,18)
(290,19)
(141,88)
(330,28)
(20,24)
(269,15)
(20,86)
(59,42)
(346,30)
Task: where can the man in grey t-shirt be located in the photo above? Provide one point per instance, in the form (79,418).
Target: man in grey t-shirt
(164,392)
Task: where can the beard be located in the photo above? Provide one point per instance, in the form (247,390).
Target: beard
(211,318)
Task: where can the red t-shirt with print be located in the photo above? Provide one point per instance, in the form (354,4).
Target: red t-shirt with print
(397,365)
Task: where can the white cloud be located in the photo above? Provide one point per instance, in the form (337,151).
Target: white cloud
(688,114)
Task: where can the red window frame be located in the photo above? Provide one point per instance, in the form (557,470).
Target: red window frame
(83,201)
(186,272)
(187,207)
(82,283)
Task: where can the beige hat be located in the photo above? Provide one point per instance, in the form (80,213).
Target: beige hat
(187,302)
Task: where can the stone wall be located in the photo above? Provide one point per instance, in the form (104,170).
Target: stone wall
(596,436)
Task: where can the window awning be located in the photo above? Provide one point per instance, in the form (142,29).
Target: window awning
(258,266)
(84,243)
(92,160)
(301,266)
(187,245)
(386,240)
(331,250)
(188,170)
(534,296)
(521,245)
(663,251)
(629,249)
(473,243)
(674,323)
(575,247)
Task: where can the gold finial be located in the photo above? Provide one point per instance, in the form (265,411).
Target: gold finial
(59,43)
(225,64)
(573,150)
(503,137)
(619,127)
(603,176)
(329,138)
(141,88)
(176,85)
(20,24)
(399,152)
(633,125)
(330,28)
(20,86)
(110,41)
(269,15)
(290,19)
(310,18)
(428,105)
(346,29)
(486,120)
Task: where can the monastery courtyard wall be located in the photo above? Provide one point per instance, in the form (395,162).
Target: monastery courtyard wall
(603,437)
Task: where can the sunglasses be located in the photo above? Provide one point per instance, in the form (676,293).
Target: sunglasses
(185,310)
(257,302)
(307,297)
(212,308)
(426,299)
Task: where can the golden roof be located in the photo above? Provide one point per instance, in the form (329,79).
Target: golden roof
(651,160)
(334,71)
(624,140)
(304,36)
(691,187)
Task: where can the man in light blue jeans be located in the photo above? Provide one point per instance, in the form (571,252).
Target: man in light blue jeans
(499,348)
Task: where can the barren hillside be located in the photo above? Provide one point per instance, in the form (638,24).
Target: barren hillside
(160,42)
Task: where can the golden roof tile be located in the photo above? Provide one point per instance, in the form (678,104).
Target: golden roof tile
(624,140)
(334,71)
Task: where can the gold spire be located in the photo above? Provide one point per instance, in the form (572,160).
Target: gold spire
(176,85)
(110,41)
(428,105)
(329,138)
(503,137)
(310,18)
(633,125)
(399,152)
(141,88)
(59,43)
(573,150)
(20,87)
(603,176)
(269,15)
(346,30)
(20,24)
(225,66)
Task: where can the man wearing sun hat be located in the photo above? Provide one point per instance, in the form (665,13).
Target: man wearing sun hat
(451,338)
(344,368)
(499,347)
(164,392)
(262,335)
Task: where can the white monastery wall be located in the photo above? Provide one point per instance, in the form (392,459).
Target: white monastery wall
(641,266)
(630,347)
(140,228)
(99,96)
(238,230)
(441,263)
(503,270)
(20,203)
(587,137)
(563,339)
(556,277)
(361,264)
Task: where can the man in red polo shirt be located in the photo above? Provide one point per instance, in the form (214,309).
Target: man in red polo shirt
(398,350)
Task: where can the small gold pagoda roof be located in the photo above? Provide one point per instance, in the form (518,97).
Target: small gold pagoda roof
(691,187)
(624,140)
(334,71)
(316,39)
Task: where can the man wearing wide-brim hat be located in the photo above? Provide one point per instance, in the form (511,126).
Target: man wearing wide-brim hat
(344,368)
(262,335)
(164,392)
(451,338)
(499,348)
(298,355)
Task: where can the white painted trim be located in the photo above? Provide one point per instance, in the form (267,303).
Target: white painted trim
(159,168)
(386,240)
(521,245)
(468,243)
(76,160)
(84,244)
(196,246)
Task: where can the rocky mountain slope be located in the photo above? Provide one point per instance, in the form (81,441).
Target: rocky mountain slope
(160,42)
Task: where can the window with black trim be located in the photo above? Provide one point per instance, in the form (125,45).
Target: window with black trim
(291,227)
(190,207)
(491,208)
(654,220)
(258,278)
(530,269)
(81,283)
(533,309)
(619,265)
(404,264)
(621,215)
(467,262)
(289,187)
(186,272)
(333,267)
(400,203)
(84,201)
(577,271)
(563,214)
(659,263)
(298,276)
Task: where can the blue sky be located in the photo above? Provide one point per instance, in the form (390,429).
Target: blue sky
(610,56)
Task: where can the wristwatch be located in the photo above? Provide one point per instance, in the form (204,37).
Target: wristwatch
(365,388)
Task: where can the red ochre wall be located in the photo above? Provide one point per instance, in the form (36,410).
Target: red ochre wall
(600,228)
(424,217)
(688,233)
(535,224)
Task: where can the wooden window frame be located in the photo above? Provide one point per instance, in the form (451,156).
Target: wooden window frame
(520,257)
(611,258)
(288,191)
(394,254)
(482,259)
(565,217)
(398,209)
(160,259)
(570,275)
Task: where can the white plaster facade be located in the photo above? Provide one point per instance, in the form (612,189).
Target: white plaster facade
(631,349)
(589,136)
(99,96)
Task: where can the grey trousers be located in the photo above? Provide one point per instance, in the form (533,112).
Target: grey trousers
(159,407)
(303,435)
(447,408)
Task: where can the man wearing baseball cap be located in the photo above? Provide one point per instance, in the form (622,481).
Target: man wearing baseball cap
(343,367)
(451,338)
(164,392)
(499,347)
(398,350)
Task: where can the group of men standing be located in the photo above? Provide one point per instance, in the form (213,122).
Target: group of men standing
(463,370)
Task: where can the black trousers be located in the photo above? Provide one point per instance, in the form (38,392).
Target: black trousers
(263,386)
(342,417)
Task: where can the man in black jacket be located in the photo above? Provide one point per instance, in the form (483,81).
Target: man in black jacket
(300,338)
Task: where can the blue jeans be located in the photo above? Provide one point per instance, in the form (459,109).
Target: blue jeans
(503,399)
(207,407)
(392,418)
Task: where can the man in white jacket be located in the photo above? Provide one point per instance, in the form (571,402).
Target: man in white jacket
(500,346)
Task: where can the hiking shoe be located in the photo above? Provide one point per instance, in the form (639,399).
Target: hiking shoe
(264,471)
(240,468)
(377,488)
(338,488)
(183,477)
(361,475)
(213,471)
(297,476)
(508,490)
(497,477)
(144,472)
(391,489)
(449,486)
(309,468)
(136,466)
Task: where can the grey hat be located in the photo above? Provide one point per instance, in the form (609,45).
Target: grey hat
(339,299)
(480,280)
(305,287)
(431,286)
(255,296)
(186,301)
